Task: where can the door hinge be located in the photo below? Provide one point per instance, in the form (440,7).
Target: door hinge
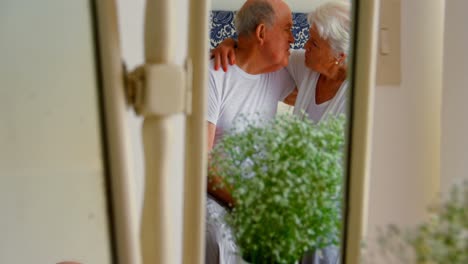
(160,89)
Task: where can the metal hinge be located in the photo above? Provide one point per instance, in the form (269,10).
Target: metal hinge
(160,89)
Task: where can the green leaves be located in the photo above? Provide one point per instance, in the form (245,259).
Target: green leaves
(286,176)
(443,238)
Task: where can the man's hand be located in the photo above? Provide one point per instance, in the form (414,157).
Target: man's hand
(224,54)
(223,195)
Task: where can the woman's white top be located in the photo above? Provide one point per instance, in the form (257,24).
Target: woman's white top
(306,81)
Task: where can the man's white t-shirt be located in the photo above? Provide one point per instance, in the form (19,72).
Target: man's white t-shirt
(306,81)
(236,92)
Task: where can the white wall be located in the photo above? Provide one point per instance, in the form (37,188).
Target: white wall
(454,144)
(406,135)
(52,192)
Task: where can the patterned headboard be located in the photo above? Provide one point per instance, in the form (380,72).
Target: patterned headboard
(222,26)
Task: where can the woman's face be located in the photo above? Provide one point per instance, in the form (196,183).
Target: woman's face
(319,55)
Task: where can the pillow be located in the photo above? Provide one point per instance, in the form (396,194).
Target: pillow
(222,27)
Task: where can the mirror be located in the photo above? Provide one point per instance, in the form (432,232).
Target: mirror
(312,72)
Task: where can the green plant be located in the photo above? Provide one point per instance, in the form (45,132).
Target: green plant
(286,177)
(443,238)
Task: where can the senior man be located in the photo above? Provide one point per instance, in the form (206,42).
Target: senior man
(253,86)
(258,80)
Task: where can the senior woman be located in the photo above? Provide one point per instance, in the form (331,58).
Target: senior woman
(320,73)
(320,70)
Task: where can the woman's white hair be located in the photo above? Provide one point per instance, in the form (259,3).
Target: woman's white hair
(333,22)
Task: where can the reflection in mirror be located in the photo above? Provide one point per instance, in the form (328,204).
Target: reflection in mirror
(275,189)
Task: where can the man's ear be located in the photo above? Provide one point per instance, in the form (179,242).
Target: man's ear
(260,33)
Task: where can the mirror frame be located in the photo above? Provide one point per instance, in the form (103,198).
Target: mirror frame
(363,75)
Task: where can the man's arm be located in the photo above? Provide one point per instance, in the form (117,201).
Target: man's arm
(211,135)
(221,194)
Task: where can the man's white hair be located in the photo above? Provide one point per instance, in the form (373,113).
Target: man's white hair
(333,22)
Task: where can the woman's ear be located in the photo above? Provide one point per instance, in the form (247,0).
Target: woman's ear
(341,58)
(260,33)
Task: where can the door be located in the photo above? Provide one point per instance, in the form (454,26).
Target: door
(53,182)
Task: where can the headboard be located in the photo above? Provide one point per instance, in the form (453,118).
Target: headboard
(222,26)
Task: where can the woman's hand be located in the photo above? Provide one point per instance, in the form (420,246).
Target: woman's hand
(291,98)
(224,54)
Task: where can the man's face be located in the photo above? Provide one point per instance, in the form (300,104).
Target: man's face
(278,38)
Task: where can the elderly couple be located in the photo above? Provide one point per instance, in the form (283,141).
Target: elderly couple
(262,71)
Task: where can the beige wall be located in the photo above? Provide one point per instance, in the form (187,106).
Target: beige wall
(454,144)
(52,195)
(406,135)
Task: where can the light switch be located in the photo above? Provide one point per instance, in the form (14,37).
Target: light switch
(384,42)
(389,61)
